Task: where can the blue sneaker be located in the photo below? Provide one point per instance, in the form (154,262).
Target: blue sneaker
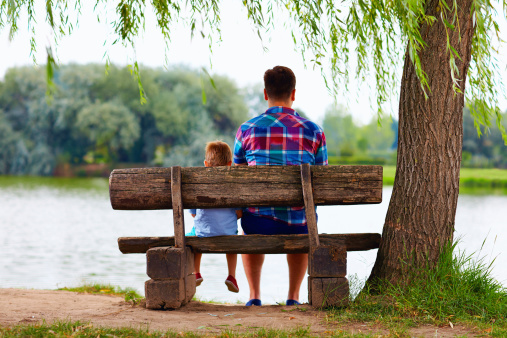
(292,302)
(256,302)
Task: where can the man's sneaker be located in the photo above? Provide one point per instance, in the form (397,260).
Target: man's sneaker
(256,302)
(198,279)
(292,302)
(231,283)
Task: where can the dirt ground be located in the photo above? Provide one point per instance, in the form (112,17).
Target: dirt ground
(20,306)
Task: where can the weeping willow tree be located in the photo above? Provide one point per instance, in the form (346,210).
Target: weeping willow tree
(448,49)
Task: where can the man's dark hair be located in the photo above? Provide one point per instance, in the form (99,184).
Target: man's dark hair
(279,82)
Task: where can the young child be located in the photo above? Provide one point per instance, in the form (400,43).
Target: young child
(216,222)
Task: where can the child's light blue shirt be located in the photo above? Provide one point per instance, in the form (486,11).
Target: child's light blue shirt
(215,222)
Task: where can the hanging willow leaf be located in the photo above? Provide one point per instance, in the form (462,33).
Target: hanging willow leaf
(375,33)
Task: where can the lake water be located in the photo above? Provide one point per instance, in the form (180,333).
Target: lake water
(63,232)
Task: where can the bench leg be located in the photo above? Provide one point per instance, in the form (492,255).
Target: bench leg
(172,282)
(328,291)
(327,285)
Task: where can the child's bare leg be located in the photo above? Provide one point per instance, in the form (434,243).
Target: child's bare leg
(197,262)
(232,261)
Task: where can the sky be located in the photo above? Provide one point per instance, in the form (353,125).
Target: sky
(240,56)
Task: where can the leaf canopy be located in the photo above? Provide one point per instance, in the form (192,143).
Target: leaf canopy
(375,34)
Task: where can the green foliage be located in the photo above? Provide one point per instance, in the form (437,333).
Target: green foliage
(486,150)
(109,125)
(350,143)
(357,160)
(376,33)
(94,118)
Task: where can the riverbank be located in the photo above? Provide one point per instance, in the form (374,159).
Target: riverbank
(62,313)
(457,297)
(472,180)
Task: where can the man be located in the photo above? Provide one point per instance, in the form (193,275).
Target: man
(278,137)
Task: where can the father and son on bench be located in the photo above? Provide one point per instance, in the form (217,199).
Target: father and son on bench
(275,199)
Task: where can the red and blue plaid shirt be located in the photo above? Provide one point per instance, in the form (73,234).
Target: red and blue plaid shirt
(280,137)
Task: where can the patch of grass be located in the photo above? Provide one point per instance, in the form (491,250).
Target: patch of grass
(77,329)
(130,294)
(61,183)
(272,333)
(214,301)
(81,329)
(472,181)
(389,171)
(459,289)
(345,334)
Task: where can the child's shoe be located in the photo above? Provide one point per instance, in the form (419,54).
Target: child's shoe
(198,279)
(231,283)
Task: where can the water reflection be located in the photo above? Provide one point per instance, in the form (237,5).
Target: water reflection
(55,234)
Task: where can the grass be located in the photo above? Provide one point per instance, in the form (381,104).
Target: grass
(460,289)
(472,180)
(130,294)
(99,185)
(214,301)
(80,329)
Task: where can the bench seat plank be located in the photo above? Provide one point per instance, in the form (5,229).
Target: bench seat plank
(269,244)
(238,186)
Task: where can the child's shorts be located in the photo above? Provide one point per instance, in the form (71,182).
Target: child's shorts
(257,225)
(191,233)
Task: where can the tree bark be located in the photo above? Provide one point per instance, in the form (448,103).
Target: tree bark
(421,214)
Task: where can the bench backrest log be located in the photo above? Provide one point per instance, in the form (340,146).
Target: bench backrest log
(242,186)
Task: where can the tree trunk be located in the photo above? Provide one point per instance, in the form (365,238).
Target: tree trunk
(422,210)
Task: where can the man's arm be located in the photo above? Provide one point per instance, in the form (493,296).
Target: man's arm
(321,155)
(238,152)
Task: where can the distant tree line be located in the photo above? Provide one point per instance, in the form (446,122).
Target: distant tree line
(97,118)
(486,151)
(349,142)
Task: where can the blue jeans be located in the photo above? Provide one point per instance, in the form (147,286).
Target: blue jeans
(258,225)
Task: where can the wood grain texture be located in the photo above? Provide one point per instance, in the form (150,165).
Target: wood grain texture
(240,186)
(272,244)
(169,262)
(311,216)
(326,292)
(177,205)
(328,261)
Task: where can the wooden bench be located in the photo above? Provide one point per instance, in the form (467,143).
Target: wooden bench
(170,259)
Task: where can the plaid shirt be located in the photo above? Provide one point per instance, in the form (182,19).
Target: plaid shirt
(280,137)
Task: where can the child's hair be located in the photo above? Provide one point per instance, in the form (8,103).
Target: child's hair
(218,153)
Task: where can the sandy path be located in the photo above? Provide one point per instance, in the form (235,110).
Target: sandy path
(20,306)
(31,306)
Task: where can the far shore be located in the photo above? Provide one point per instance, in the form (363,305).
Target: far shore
(472,180)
